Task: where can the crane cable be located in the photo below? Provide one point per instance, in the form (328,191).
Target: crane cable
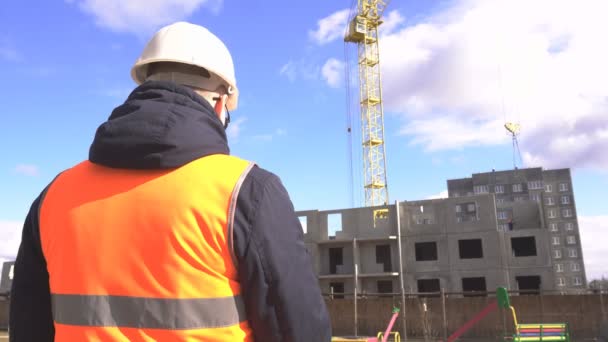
(349,119)
(349,128)
(515,143)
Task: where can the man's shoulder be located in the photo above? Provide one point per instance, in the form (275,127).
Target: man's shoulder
(261,176)
(261,185)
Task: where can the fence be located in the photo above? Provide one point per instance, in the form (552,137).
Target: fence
(3,313)
(435,316)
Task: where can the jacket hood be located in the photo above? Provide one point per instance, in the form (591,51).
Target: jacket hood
(160,125)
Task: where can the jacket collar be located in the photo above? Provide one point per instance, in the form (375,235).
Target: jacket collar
(160,125)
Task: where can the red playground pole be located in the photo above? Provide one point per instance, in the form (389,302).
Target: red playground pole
(390,325)
(468,325)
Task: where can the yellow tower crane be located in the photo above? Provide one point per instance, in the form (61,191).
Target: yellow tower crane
(363,30)
(514,129)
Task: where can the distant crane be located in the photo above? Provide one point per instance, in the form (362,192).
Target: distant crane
(363,30)
(513,129)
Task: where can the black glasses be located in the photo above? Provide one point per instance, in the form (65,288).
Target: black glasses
(227,113)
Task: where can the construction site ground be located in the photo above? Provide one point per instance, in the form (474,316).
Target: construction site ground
(4,338)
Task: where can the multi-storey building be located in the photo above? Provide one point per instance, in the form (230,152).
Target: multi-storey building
(493,230)
(553,192)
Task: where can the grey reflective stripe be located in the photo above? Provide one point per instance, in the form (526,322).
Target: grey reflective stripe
(151,313)
(231,211)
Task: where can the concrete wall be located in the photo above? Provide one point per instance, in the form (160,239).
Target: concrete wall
(370,285)
(494,278)
(367,256)
(325,285)
(490,247)
(546,276)
(6,279)
(359,223)
(411,280)
(543,253)
(4,303)
(460,187)
(554,178)
(433,221)
(347,258)
(442,264)
(486,214)
(529,214)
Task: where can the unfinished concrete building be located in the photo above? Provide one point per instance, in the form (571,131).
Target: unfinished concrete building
(474,240)
(552,192)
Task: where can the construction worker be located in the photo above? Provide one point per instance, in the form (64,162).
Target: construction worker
(161,235)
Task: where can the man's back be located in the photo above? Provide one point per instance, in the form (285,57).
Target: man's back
(130,196)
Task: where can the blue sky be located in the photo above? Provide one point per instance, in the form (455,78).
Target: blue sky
(453,71)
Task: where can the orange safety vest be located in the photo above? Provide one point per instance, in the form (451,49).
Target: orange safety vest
(145,255)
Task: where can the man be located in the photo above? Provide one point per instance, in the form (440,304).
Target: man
(161,235)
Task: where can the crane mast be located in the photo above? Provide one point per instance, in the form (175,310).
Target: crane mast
(363,30)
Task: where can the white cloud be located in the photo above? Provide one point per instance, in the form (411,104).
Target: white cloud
(455,132)
(330,28)
(39,71)
(593,232)
(27,170)
(289,70)
(263,137)
(449,75)
(142,16)
(304,69)
(391,21)
(334,26)
(10,238)
(235,128)
(442,194)
(8,52)
(333,72)
(270,136)
(118,92)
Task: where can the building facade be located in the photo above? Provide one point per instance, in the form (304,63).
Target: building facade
(6,280)
(552,191)
(475,240)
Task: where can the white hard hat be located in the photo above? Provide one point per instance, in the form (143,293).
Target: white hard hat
(190,44)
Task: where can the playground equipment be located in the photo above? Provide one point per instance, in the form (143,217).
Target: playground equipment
(381,337)
(531,332)
(534,332)
(468,325)
(388,332)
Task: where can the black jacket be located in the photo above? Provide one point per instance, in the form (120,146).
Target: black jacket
(163,125)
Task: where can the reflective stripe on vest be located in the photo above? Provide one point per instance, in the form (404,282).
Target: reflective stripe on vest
(147,313)
(145,254)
